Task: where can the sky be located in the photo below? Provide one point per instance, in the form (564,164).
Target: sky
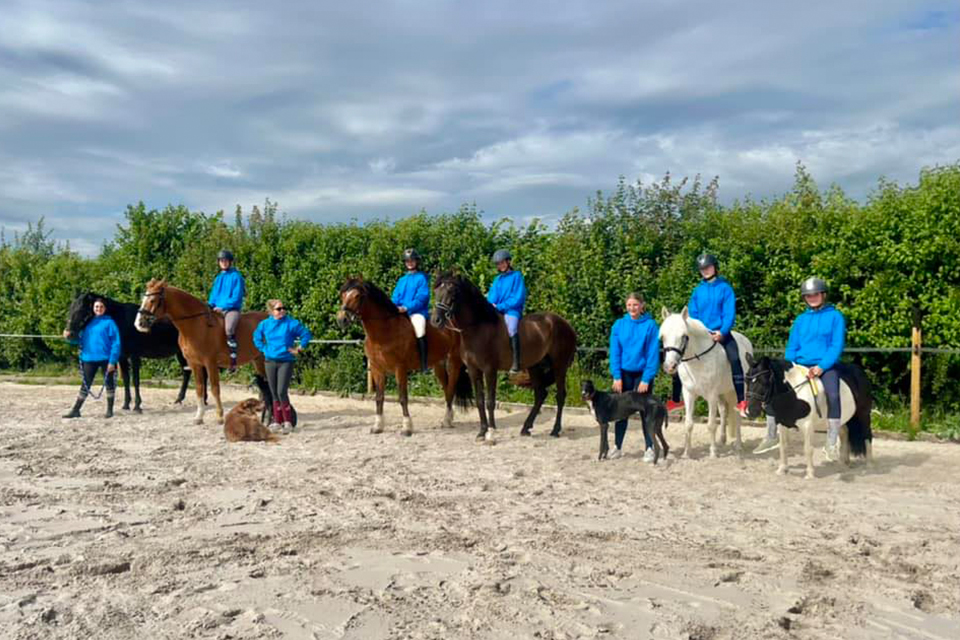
(381,109)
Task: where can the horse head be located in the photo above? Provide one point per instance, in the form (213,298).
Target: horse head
(153,306)
(674,335)
(352,295)
(759,384)
(445,293)
(80,313)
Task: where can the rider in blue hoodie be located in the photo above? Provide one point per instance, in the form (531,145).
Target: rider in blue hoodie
(226,297)
(816,340)
(275,337)
(714,304)
(412,297)
(634,360)
(99,349)
(508,295)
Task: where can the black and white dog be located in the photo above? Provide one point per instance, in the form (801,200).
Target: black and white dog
(611,407)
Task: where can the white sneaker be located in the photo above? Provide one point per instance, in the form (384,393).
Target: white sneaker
(274,427)
(287,428)
(648,455)
(768,444)
(616,453)
(832,454)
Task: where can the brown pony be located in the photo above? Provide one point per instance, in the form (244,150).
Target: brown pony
(391,347)
(202,339)
(548,346)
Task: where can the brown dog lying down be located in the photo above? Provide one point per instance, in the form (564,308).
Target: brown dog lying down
(243,423)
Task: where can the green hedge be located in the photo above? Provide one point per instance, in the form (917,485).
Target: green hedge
(896,251)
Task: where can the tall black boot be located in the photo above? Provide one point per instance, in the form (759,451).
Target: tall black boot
(422,348)
(232,345)
(75,412)
(515,348)
(110,399)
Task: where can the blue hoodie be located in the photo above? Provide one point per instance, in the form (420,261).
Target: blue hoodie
(100,340)
(413,292)
(228,290)
(273,337)
(817,337)
(508,293)
(714,304)
(634,346)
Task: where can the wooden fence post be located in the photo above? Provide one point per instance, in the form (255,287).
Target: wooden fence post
(916,343)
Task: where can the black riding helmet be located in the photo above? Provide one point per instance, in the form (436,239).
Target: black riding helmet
(705,260)
(225,254)
(411,254)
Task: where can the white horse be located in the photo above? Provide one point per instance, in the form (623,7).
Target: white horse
(704,371)
(783,389)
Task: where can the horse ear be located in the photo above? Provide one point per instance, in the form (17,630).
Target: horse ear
(664,313)
(750,361)
(684,313)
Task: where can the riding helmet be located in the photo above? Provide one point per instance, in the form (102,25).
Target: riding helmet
(813,285)
(500,255)
(705,260)
(225,254)
(411,254)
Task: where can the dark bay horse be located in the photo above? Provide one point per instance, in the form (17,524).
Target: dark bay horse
(391,347)
(161,342)
(202,339)
(548,346)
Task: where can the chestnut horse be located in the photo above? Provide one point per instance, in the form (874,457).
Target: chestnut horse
(202,338)
(391,347)
(548,345)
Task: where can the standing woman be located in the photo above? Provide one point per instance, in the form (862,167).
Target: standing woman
(99,349)
(412,297)
(226,297)
(275,337)
(634,360)
(508,295)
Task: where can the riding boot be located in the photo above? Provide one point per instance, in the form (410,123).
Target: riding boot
(75,412)
(232,345)
(277,415)
(422,348)
(110,399)
(515,348)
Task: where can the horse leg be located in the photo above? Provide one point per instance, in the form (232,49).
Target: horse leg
(491,383)
(561,400)
(379,388)
(845,445)
(201,381)
(712,424)
(214,374)
(539,395)
(136,362)
(478,392)
(688,405)
(125,374)
(724,417)
(407,428)
(808,448)
(448,381)
(782,433)
(184,378)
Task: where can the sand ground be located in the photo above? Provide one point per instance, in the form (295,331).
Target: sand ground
(148,526)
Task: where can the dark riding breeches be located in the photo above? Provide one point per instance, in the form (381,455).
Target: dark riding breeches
(831,386)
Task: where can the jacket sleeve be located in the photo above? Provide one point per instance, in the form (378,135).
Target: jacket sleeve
(837,338)
(793,342)
(304,334)
(615,351)
(238,291)
(729,312)
(493,296)
(213,290)
(652,355)
(114,343)
(422,296)
(259,339)
(518,296)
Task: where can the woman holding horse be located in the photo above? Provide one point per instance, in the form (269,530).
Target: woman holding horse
(816,341)
(715,305)
(275,337)
(634,360)
(412,297)
(99,349)
(508,295)
(226,297)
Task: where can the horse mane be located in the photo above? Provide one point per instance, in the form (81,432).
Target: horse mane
(371,291)
(466,292)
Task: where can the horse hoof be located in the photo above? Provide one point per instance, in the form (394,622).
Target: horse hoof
(481,437)
(525,432)
(137,410)
(808,476)
(713,452)
(555,433)
(406,432)
(781,471)
(376,429)
(198,421)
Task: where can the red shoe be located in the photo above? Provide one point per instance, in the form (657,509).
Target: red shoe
(742,408)
(674,406)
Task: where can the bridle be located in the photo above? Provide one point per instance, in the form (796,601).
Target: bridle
(767,395)
(683,348)
(151,316)
(446,310)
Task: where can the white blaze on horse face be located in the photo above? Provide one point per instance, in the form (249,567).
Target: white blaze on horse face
(139,322)
(672,331)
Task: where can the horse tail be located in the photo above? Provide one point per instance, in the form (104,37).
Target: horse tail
(463,393)
(859,428)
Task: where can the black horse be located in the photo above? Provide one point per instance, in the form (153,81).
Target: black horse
(161,342)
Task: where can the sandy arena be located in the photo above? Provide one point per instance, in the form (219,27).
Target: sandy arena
(147,526)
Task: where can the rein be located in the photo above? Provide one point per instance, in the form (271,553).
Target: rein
(153,316)
(683,348)
(447,312)
(769,394)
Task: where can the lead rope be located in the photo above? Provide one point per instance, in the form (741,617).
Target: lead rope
(85,387)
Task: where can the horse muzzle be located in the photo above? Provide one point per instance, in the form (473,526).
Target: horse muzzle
(345,318)
(144,321)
